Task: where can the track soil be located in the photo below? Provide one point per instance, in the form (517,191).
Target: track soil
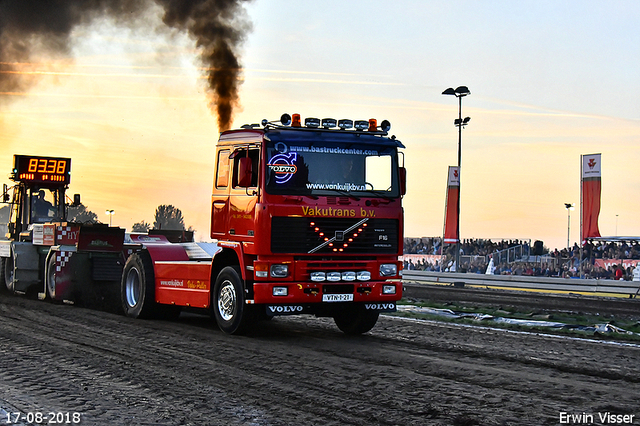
(302,371)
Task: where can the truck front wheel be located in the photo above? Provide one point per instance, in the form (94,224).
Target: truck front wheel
(232,314)
(356,319)
(138,286)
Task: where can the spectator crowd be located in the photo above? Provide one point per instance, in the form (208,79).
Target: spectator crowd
(476,255)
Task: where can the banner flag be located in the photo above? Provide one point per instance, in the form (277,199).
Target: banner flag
(451,225)
(590,168)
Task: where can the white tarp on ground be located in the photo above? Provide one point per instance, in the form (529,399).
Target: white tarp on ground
(448,313)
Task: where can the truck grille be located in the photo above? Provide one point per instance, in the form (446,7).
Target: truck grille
(333,235)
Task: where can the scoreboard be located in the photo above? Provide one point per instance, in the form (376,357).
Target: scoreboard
(43,170)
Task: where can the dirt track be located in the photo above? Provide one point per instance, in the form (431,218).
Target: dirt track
(523,300)
(301,371)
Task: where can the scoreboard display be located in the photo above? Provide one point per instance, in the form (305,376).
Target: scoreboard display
(44,170)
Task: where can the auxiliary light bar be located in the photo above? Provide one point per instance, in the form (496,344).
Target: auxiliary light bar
(295,120)
(319,276)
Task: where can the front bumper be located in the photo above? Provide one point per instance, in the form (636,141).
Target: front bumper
(326,293)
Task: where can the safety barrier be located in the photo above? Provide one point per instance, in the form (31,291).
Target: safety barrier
(526,282)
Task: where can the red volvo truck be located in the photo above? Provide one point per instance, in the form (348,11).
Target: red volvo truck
(305,219)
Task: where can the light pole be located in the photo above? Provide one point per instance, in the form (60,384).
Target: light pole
(460,92)
(110,213)
(569,207)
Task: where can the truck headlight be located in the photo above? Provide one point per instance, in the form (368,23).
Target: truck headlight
(280,291)
(279,271)
(388,289)
(388,270)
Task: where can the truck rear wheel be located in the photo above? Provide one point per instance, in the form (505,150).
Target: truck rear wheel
(232,314)
(7,274)
(356,319)
(138,286)
(51,277)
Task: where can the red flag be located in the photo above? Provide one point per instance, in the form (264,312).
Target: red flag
(590,196)
(451,228)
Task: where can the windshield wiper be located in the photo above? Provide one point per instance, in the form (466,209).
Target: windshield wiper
(347,194)
(381,194)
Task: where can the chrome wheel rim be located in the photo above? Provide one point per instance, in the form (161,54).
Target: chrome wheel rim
(132,287)
(51,282)
(227,300)
(8,273)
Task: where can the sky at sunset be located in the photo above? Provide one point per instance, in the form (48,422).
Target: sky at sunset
(549,81)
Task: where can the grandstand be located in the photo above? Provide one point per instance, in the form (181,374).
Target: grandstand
(602,258)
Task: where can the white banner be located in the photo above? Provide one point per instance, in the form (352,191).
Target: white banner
(454,176)
(591,166)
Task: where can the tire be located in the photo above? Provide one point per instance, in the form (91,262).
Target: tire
(231,312)
(50,279)
(7,274)
(138,287)
(355,319)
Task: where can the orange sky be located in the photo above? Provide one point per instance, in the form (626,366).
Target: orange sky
(132,114)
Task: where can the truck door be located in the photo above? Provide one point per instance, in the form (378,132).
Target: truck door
(244,191)
(220,197)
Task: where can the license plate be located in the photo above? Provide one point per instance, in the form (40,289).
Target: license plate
(337,297)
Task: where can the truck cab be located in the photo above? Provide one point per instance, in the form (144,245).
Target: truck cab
(313,213)
(305,219)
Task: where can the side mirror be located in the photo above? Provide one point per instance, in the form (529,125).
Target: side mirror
(245,172)
(5,193)
(403,180)
(76,200)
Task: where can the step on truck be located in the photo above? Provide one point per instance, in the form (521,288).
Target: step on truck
(306,218)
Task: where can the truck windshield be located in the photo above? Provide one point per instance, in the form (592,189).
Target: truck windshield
(332,168)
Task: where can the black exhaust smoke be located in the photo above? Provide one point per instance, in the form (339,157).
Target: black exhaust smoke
(218,27)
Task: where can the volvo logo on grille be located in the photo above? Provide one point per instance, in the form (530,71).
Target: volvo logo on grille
(339,235)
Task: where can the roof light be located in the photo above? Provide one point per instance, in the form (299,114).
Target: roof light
(345,124)
(385,125)
(285,120)
(329,123)
(361,125)
(312,122)
(296,121)
(373,125)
